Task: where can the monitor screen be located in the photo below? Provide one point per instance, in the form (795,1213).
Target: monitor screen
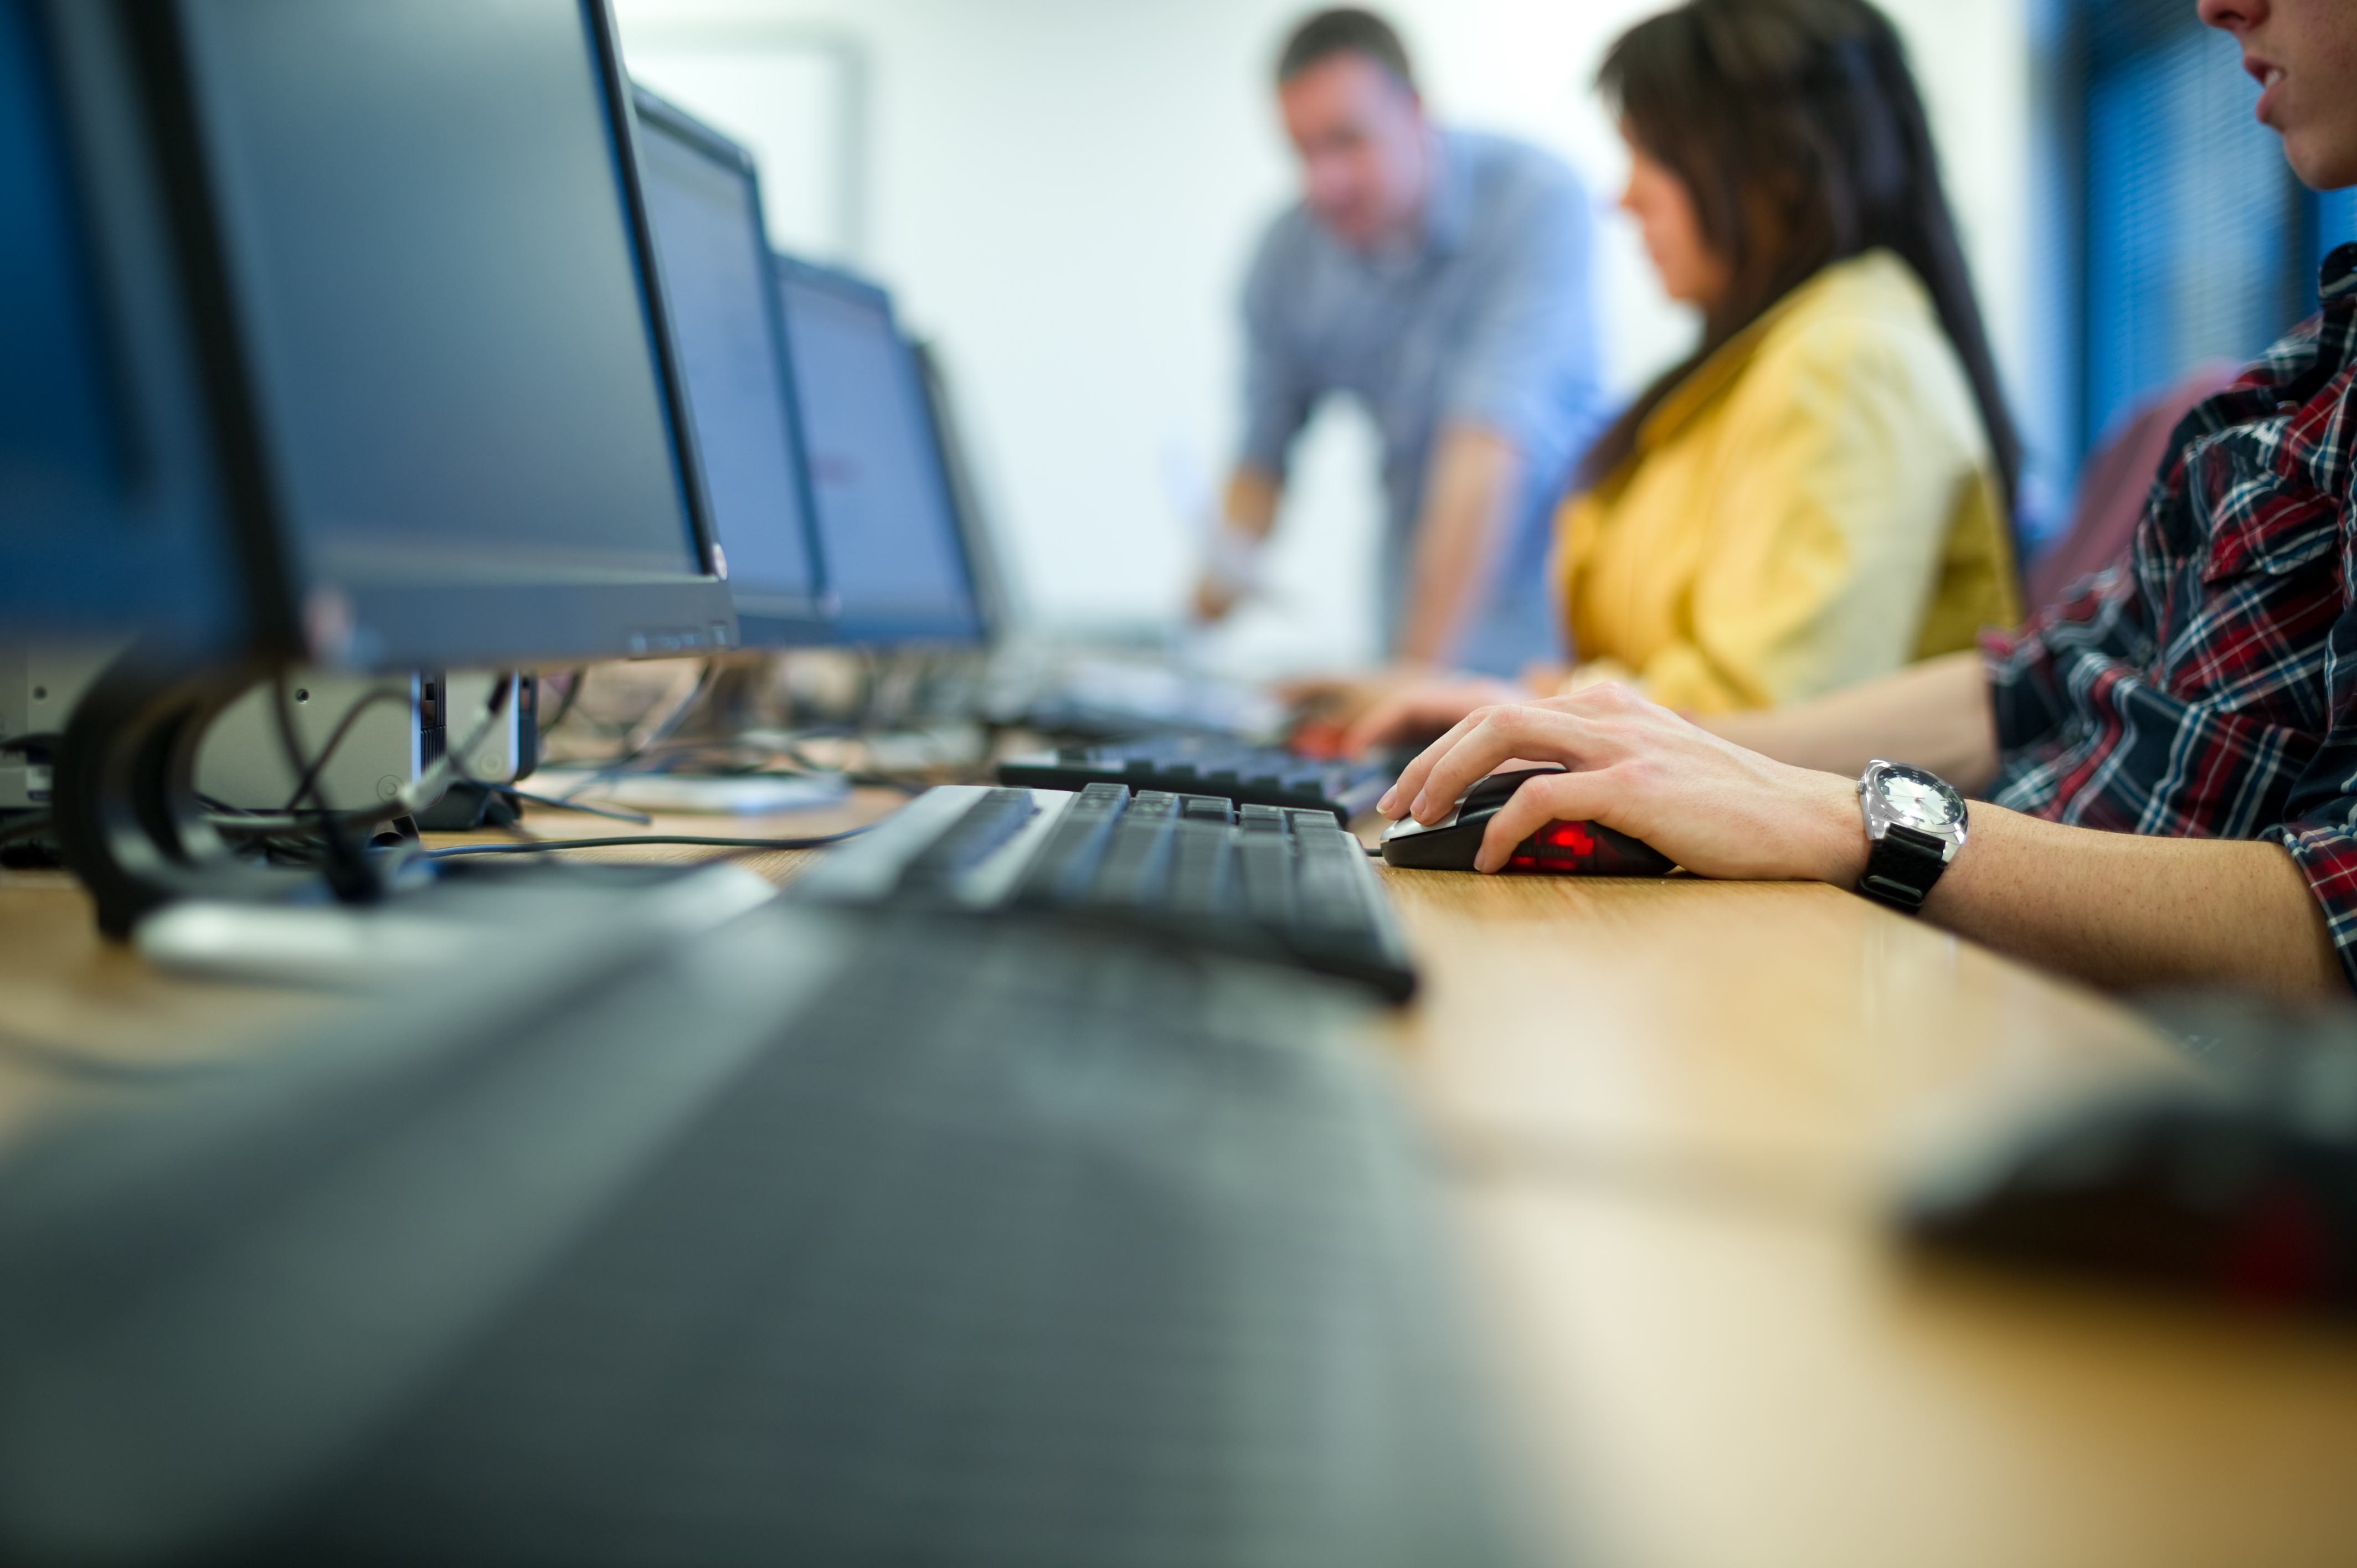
(895,559)
(111,520)
(458,376)
(706,207)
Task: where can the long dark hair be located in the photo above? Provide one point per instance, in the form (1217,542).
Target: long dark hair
(1795,127)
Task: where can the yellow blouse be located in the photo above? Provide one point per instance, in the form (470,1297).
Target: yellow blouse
(1814,506)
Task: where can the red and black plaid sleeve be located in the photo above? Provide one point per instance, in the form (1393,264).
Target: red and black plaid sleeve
(2206,685)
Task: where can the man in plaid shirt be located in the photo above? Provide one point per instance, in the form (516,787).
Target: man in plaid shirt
(2169,756)
(2204,686)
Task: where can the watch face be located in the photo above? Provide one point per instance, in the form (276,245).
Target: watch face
(1918,799)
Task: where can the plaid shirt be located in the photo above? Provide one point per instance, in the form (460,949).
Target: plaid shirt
(2206,684)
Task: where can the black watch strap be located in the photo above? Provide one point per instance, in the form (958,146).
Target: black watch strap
(1903,866)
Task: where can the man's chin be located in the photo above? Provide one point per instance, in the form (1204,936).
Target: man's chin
(1349,229)
(2321,169)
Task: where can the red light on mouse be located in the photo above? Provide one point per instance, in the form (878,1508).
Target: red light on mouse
(1572,836)
(1559,848)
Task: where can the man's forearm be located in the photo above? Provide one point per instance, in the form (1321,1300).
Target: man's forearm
(1476,476)
(2127,910)
(2118,910)
(1934,715)
(1247,513)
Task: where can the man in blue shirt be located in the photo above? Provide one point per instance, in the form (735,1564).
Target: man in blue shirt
(1442,278)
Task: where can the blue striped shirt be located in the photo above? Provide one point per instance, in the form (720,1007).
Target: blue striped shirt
(1484,319)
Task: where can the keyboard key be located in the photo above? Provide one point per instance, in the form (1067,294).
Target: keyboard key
(1211,766)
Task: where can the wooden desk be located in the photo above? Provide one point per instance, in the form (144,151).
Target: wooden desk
(1670,1107)
(1666,1109)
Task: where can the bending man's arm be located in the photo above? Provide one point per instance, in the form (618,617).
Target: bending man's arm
(1248,514)
(2117,909)
(1476,479)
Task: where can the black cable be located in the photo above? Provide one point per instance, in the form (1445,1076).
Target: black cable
(332,823)
(336,737)
(704,679)
(580,678)
(348,873)
(25,829)
(539,846)
(656,738)
(616,813)
(28,743)
(65,1062)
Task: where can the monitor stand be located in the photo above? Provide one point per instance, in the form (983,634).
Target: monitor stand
(124,799)
(136,831)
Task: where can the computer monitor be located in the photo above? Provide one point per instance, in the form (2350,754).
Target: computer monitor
(895,561)
(403,255)
(451,384)
(714,256)
(112,515)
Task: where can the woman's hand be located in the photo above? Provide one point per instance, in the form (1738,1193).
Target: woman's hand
(1708,804)
(1414,713)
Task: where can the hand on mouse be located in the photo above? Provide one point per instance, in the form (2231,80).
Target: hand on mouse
(1708,804)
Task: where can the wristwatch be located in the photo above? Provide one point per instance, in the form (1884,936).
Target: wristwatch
(1915,822)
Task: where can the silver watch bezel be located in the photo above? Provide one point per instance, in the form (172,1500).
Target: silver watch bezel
(1880,819)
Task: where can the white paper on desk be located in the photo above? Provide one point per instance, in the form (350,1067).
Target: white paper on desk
(754,795)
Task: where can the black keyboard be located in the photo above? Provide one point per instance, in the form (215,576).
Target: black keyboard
(1267,881)
(826,1238)
(1209,765)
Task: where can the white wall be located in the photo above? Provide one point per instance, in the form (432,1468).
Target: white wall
(1065,193)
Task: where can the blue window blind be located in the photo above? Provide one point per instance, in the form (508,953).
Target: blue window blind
(2332,220)
(2198,238)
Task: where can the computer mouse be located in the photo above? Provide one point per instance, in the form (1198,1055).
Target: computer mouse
(1563,849)
(2207,1193)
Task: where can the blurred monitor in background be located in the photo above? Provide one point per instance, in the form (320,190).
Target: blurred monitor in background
(714,256)
(995,590)
(112,516)
(1443,278)
(896,556)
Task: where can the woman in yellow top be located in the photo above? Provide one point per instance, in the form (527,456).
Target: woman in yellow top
(1821,493)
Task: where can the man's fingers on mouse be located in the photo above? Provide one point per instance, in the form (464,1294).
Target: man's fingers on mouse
(1563,798)
(1408,789)
(1441,770)
(1496,736)
(1469,762)
(1410,779)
